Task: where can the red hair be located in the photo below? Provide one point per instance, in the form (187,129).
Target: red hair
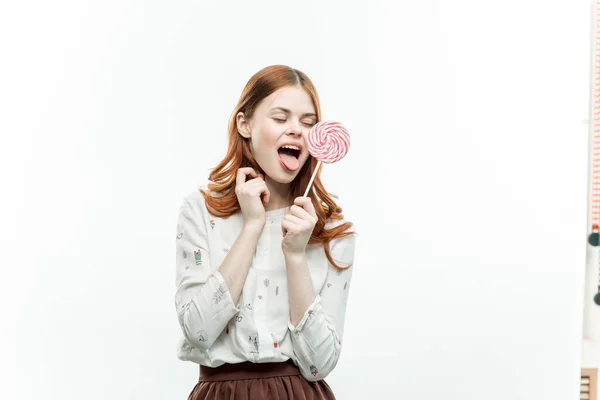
(222,177)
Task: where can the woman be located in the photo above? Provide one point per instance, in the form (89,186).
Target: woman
(263,273)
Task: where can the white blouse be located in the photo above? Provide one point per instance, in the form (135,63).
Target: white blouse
(258,327)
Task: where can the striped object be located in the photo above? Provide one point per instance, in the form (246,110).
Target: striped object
(589,381)
(328,141)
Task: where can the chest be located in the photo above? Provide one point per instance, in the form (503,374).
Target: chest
(268,261)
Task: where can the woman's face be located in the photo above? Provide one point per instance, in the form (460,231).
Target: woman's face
(284,117)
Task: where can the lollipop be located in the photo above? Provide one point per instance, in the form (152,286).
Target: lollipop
(328,142)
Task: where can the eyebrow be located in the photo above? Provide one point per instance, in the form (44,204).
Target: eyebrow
(288,111)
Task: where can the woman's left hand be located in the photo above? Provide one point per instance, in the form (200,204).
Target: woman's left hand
(298,225)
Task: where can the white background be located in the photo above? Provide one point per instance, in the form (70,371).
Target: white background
(467,180)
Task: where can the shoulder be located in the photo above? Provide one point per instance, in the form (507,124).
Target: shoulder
(334,223)
(346,243)
(194,201)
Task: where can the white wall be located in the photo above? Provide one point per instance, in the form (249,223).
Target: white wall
(467,178)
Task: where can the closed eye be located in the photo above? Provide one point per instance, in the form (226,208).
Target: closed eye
(281,121)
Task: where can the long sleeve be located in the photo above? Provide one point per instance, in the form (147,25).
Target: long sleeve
(317,339)
(202,300)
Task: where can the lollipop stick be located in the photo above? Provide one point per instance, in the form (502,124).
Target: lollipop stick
(312,178)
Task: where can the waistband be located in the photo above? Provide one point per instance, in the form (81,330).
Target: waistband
(248,370)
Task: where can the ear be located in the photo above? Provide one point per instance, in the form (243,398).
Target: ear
(243,125)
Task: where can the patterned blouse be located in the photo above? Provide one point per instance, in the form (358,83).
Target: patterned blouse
(258,327)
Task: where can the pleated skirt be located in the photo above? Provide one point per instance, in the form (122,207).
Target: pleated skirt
(258,381)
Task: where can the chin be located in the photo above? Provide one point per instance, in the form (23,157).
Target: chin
(280,175)
(283,177)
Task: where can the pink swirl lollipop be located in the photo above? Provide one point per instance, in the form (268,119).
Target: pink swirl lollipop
(328,141)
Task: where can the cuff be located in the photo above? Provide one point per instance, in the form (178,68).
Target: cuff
(229,304)
(307,315)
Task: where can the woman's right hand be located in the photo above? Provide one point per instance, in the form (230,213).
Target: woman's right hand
(252,195)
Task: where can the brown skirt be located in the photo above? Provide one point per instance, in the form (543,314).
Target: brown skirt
(258,381)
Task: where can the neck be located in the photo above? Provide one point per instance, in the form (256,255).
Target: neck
(280,194)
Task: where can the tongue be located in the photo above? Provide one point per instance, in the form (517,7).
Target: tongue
(289,161)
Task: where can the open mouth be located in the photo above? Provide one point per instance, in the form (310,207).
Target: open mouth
(288,156)
(289,150)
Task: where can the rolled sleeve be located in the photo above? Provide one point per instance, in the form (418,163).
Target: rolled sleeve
(202,299)
(317,339)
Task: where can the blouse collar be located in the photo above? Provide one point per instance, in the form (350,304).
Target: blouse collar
(277,213)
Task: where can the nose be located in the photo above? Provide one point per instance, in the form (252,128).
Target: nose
(295,129)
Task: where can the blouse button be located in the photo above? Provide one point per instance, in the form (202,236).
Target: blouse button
(260,297)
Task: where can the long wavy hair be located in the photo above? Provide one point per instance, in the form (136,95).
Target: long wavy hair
(222,177)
